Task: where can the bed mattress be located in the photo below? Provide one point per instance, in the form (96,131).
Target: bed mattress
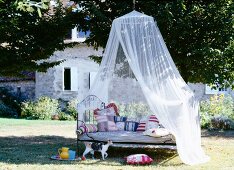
(126,137)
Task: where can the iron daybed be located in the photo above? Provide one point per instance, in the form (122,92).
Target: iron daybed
(119,138)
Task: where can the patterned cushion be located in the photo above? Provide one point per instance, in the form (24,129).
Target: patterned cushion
(105,123)
(139,159)
(120,118)
(131,126)
(88,128)
(120,125)
(152,122)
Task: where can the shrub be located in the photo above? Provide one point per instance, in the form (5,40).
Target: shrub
(134,110)
(216,111)
(6,111)
(9,104)
(42,109)
(71,108)
(64,116)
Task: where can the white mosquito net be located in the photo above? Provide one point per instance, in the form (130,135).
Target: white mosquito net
(137,67)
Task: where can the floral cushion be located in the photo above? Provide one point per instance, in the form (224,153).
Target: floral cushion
(106,123)
(139,159)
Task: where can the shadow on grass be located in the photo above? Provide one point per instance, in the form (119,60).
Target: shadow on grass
(39,149)
(218,133)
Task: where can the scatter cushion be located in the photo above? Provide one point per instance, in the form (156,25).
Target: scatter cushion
(137,159)
(114,107)
(141,127)
(152,122)
(120,118)
(89,128)
(131,126)
(108,112)
(106,123)
(120,125)
(156,132)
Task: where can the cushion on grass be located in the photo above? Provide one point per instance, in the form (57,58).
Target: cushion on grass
(106,123)
(137,159)
(131,126)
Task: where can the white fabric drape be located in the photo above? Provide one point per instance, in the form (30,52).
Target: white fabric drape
(166,93)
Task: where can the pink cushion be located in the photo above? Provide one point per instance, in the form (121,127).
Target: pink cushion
(106,123)
(139,159)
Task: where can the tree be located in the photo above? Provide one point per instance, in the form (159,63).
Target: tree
(198,34)
(27,37)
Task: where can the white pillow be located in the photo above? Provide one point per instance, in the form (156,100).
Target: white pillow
(120,125)
(156,132)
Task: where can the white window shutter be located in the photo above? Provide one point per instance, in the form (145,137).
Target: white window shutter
(74,79)
(92,76)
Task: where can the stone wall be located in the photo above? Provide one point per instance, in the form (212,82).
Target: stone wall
(25,90)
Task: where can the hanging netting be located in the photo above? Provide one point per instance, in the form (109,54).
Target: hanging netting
(137,69)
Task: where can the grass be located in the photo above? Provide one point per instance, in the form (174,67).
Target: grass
(28,144)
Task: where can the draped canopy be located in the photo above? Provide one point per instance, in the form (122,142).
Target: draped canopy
(163,88)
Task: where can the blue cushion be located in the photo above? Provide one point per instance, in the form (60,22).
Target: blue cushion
(120,118)
(131,126)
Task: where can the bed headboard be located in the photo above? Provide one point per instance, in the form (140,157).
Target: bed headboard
(85,109)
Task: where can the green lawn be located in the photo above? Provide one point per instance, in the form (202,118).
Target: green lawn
(28,144)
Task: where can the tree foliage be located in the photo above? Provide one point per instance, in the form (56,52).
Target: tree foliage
(198,33)
(25,37)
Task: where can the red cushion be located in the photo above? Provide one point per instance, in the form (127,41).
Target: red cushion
(114,106)
(139,159)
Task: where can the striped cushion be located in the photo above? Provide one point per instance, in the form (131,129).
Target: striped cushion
(88,128)
(120,118)
(131,126)
(141,127)
(152,122)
